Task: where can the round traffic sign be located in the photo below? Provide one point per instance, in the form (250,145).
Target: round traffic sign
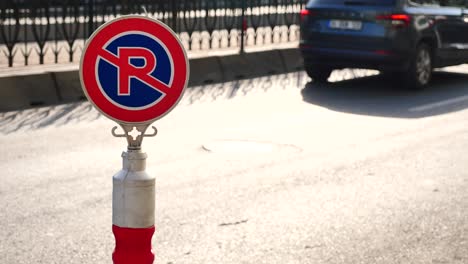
(134,69)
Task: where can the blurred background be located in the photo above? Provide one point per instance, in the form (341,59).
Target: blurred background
(47,31)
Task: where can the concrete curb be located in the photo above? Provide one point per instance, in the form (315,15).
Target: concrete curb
(205,71)
(68,86)
(292,60)
(25,91)
(22,90)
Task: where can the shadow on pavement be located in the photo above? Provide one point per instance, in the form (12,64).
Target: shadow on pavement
(58,115)
(242,88)
(359,95)
(379,96)
(37,118)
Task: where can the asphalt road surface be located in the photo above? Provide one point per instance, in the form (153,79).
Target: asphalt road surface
(268,170)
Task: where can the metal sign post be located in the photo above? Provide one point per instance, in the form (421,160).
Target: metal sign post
(133,202)
(134,70)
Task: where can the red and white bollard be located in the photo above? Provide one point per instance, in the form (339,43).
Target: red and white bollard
(105,77)
(133,207)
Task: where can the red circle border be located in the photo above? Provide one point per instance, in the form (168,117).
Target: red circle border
(91,54)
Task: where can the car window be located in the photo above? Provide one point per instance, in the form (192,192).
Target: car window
(447,3)
(351,2)
(453,3)
(424,2)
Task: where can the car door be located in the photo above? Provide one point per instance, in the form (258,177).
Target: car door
(451,22)
(464,34)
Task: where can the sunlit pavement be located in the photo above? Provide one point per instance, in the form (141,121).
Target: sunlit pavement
(268,170)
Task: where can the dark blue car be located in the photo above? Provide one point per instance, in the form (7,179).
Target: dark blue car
(404,38)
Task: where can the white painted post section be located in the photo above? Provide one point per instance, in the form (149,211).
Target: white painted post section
(133,197)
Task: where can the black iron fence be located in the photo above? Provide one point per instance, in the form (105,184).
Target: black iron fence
(54,31)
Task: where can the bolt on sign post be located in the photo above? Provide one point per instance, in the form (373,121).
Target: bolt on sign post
(134,70)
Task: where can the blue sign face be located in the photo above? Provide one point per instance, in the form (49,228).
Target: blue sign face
(142,61)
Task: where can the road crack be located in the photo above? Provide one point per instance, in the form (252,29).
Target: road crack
(234,223)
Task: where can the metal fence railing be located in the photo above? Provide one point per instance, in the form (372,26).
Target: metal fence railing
(54,31)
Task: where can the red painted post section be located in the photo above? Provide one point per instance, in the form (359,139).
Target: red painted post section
(133,245)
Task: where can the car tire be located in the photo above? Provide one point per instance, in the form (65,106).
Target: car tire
(419,73)
(318,73)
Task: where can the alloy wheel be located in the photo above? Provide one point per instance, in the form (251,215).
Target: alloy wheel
(423,66)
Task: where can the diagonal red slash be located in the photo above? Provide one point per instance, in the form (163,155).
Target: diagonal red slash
(148,79)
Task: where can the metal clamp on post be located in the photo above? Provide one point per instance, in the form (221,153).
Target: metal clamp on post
(134,134)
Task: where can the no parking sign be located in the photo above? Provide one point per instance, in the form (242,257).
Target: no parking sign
(134,69)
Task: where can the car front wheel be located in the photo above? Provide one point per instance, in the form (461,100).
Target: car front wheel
(420,71)
(318,73)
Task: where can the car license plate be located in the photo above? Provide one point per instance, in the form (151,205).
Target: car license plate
(345,24)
